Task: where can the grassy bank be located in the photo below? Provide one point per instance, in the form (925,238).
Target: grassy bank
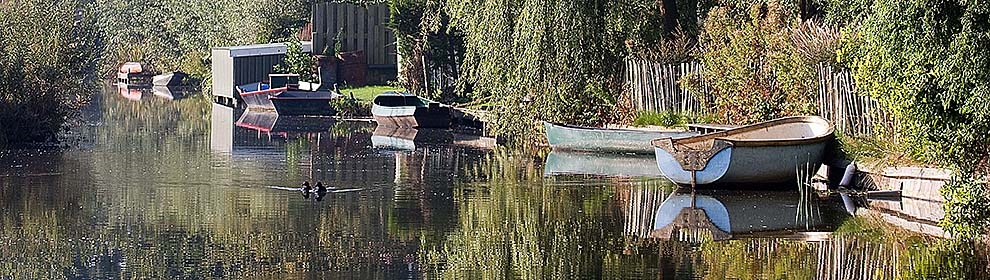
(368,93)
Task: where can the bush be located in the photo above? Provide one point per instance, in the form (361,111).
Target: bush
(46,64)
(966,201)
(926,63)
(756,70)
(297,62)
(348,107)
(174,35)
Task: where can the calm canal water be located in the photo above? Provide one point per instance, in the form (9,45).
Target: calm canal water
(159,188)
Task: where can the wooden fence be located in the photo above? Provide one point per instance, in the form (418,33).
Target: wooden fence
(358,27)
(655,87)
(838,102)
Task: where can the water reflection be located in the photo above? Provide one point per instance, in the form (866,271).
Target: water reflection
(178,190)
(616,165)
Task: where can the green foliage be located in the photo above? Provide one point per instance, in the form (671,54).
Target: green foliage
(429,45)
(538,60)
(756,72)
(670,118)
(178,35)
(46,63)
(926,63)
(966,211)
(347,107)
(297,62)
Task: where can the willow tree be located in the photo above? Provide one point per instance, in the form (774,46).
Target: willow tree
(542,60)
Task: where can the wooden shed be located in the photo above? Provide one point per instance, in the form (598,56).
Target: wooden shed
(239,65)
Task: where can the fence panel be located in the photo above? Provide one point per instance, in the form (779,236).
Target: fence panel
(359,27)
(655,87)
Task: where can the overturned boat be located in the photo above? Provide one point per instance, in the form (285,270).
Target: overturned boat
(768,152)
(401,109)
(169,79)
(591,139)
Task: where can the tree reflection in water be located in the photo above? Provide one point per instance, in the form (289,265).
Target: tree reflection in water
(151,197)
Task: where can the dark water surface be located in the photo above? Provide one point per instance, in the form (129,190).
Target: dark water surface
(184,189)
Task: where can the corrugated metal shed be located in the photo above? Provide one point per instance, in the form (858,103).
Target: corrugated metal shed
(240,65)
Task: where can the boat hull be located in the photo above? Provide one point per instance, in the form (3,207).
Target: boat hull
(168,79)
(259,99)
(574,138)
(412,116)
(300,103)
(769,152)
(770,164)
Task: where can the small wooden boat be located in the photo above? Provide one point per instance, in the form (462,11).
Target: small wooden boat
(287,101)
(299,103)
(168,79)
(255,95)
(589,139)
(768,152)
(400,109)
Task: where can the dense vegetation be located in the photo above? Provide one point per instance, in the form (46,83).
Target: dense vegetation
(176,35)
(926,63)
(47,58)
(538,60)
(52,54)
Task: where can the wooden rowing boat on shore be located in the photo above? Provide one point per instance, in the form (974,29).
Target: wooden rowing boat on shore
(400,109)
(590,139)
(768,152)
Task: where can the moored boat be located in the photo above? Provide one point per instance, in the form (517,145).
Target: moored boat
(299,102)
(255,95)
(589,139)
(768,152)
(284,96)
(400,109)
(168,79)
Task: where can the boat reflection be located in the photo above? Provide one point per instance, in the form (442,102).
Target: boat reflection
(407,139)
(131,92)
(272,123)
(170,93)
(616,165)
(695,216)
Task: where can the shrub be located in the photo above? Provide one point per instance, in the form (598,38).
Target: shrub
(174,35)
(297,62)
(757,72)
(926,63)
(46,63)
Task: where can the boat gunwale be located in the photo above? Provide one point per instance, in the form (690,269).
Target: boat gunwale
(721,135)
(266,91)
(426,102)
(299,98)
(560,125)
